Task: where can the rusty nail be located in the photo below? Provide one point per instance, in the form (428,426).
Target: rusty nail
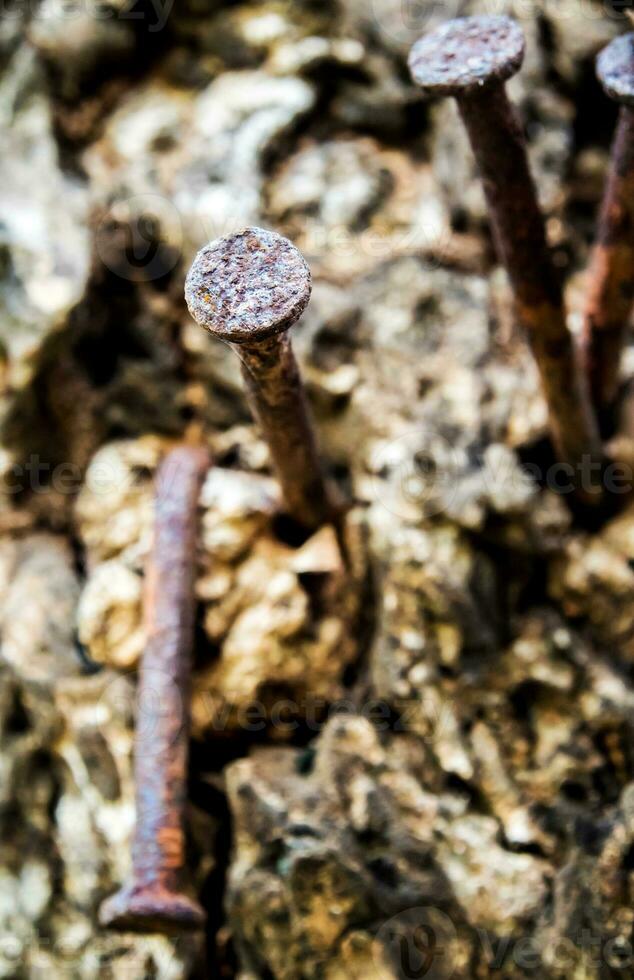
(611,286)
(471,58)
(248,289)
(155,900)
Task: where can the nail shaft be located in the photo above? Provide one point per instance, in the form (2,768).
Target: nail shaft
(498,145)
(471,58)
(155,898)
(277,399)
(611,280)
(248,289)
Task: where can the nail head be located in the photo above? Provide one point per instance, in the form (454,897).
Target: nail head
(615,68)
(464,55)
(248,286)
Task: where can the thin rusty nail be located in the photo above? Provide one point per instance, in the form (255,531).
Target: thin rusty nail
(471,58)
(611,282)
(248,289)
(155,898)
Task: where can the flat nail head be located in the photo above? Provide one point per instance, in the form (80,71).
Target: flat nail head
(151,909)
(615,68)
(465,55)
(247,287)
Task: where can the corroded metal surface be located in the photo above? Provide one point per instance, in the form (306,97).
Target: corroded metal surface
(615,68)
(466,54)
(498,143)
(277,399)
(248,286)
(518,227)
(154,899)
(611,281)
(248,289)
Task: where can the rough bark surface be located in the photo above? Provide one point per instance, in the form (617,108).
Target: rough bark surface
(418,764)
